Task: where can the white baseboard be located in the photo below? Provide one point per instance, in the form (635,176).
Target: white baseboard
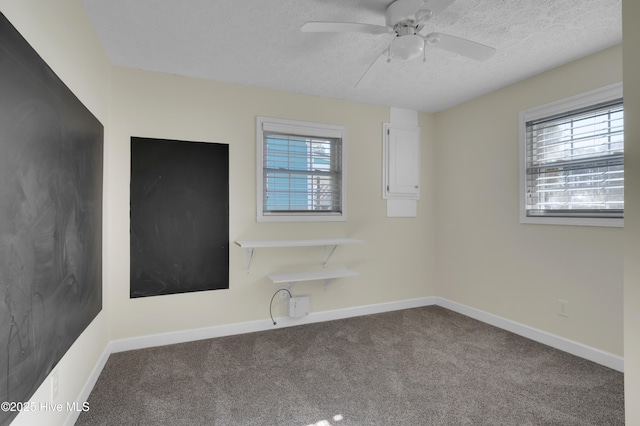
(600,357)
(607,359)
(72,418)
(575,348)
(182,336)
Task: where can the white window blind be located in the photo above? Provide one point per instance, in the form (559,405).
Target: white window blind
(575,163)
(301,173)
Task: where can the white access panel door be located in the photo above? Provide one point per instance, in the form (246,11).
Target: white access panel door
(401,162)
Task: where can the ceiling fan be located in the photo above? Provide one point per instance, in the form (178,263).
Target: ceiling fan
(406,19)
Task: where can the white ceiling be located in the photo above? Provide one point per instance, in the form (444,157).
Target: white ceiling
(259,43)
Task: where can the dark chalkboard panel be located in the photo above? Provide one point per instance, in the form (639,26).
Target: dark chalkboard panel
(179,216)
(50,218)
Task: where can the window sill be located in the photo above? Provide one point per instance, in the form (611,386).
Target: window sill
(284,217)
(573,221)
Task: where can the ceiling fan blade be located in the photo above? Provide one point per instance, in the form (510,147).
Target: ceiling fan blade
(430,9)
(379,58)
(344,27)
(436,6)
(402,10)
(461,46)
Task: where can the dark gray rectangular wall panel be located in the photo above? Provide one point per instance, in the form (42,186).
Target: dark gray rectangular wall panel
(179,217)
(51,151)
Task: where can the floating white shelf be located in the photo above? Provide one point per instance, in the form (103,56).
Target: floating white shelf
(325,274)
(297,243)
(250,245)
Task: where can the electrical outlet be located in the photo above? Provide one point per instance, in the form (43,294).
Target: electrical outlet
(54,385)
(563,308)
(285,293)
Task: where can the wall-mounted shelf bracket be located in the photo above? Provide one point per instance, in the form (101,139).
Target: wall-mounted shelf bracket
(249,258)
(327,256)
(326,284)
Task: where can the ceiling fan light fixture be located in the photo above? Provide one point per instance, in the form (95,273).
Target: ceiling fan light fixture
(407,47)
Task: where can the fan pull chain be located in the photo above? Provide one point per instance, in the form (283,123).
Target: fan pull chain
(424,51)
(389,54)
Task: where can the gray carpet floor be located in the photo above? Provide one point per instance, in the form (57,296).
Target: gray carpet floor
(423,366)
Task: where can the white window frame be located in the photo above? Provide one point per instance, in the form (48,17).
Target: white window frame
(604,94)
(300,128)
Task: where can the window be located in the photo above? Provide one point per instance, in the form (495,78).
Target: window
(572,160)
(300,171)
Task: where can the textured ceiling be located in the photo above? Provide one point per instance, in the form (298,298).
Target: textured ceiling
(259,43)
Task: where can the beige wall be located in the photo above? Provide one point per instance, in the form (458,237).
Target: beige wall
(395,262)
(631,34)
(483,252)
(487,259)
(60,32)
